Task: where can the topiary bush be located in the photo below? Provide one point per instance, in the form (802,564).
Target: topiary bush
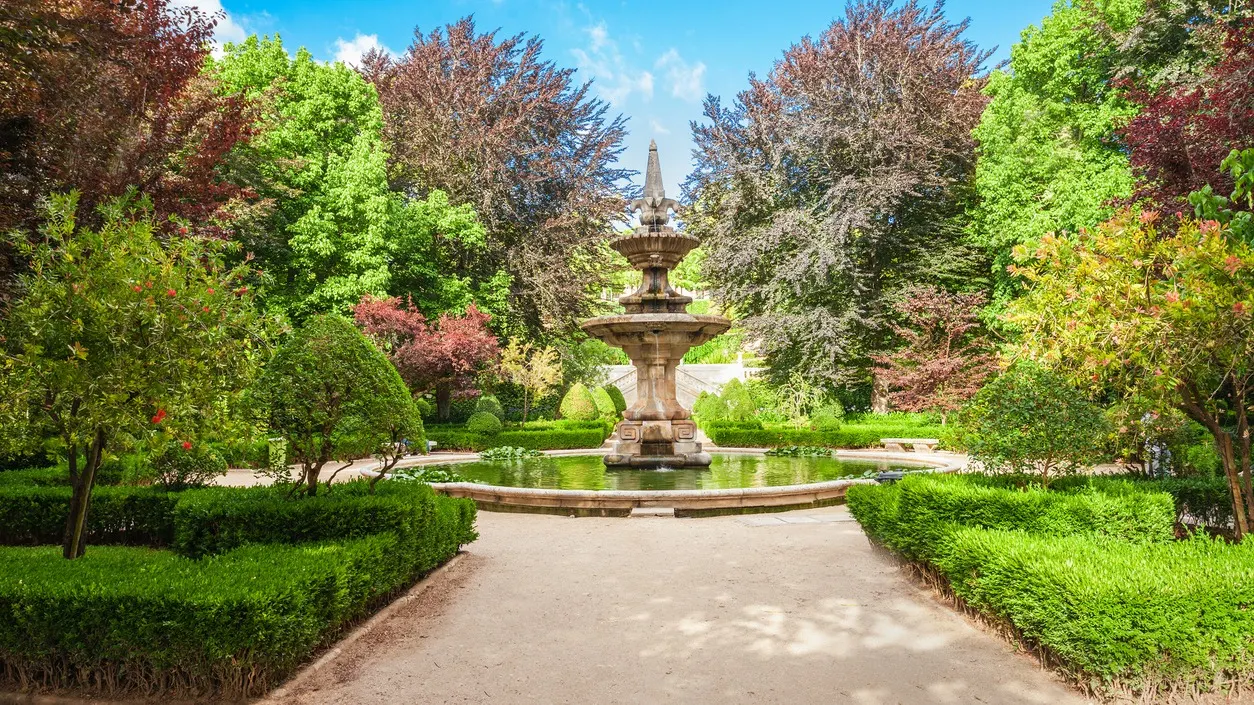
(827,417)
(484,423)
(605,405)
(489,404)
(620,402)
(709,409)
(177,467)
(578,404)
(740,403)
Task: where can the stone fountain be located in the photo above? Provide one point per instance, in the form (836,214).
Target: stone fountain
(655,331)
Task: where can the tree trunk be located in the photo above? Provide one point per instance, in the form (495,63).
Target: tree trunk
(525,405)
(443,401)
(74,543)
(879,395)
(1241,524)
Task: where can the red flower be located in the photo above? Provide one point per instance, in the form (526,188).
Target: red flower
(159,417)
(1231,264)
(182,231)
(210,291)
(148,284)
(171,292)
(205,309)
(136,288)
(187,445)
(1239,308)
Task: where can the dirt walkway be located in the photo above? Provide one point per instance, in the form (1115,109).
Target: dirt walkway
(784,608)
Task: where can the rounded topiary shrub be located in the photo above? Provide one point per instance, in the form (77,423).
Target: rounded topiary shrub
(620,402)
(605,404)
(180,466)
(483,422)
(827,417)
(709,408)
(740,404)
(578,404)
(489,404)
(424,407)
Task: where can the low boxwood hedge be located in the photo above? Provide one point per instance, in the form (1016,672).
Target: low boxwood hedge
(847,436)
(555,439)
(124,619)
(1165,617)
(1088,571)
(255,582)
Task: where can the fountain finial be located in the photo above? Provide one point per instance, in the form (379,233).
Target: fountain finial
(655,207)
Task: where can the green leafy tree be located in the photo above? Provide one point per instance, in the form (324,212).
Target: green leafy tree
(537,370)
(1030,420)
(336,232)
(578,404)
(1157,317)
(1049,157)
(334,396)
(120,337)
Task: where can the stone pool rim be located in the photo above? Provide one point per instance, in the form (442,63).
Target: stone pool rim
(684,502)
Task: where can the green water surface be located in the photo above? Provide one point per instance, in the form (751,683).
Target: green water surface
(587,472)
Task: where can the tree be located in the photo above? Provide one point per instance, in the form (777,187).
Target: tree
(944,360)
(336,231)
(334,396)
(105,95)
(1159,316)
(537,370)
(119,337)
(444,357)
(1187,128)
(1030,420)
(1049,154)
(491,124)
(835,182)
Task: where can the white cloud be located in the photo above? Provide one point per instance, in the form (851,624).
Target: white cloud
(685,80)
(657,127)
(350,51)
(227,28)
(613,78)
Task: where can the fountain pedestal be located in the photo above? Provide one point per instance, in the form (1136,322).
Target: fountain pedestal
(655,331)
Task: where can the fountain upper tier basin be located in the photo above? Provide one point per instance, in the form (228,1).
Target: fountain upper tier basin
(645,331)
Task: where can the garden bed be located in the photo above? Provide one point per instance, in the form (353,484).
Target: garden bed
(222,591)
(1092,579)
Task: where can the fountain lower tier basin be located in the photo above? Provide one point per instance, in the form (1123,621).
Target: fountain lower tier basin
(658,334)
(735,482)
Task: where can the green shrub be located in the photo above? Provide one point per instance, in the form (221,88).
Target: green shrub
(554,439)
(800,452)
(709,409)
(605,404)
(827,417)
(508,453)
(138,516)
(578,404)
(177,468)
(425,409)
(1168,617)
(150,621)
(620,402)
(1030,420)
(847,436)
(740,403)
(484,423)
(875,508)
(489,404)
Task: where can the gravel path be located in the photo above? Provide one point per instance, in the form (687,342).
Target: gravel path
(780,608)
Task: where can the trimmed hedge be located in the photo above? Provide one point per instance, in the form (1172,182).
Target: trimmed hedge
(847,436)
(556,439)
(237,611)
(1089,573)
(1169,617)
(930,507)
(136,619)
(138,516)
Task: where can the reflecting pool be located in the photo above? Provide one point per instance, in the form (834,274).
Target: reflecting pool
(587,472)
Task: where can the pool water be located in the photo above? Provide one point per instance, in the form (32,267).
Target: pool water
(587,472)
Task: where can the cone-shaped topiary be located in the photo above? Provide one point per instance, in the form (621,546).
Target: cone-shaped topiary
(491,405)
(709,408)
(483,422)
(620,403)
(578,404)
(605,404)
(740,406)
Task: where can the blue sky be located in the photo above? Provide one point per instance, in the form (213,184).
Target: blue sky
(654,61)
